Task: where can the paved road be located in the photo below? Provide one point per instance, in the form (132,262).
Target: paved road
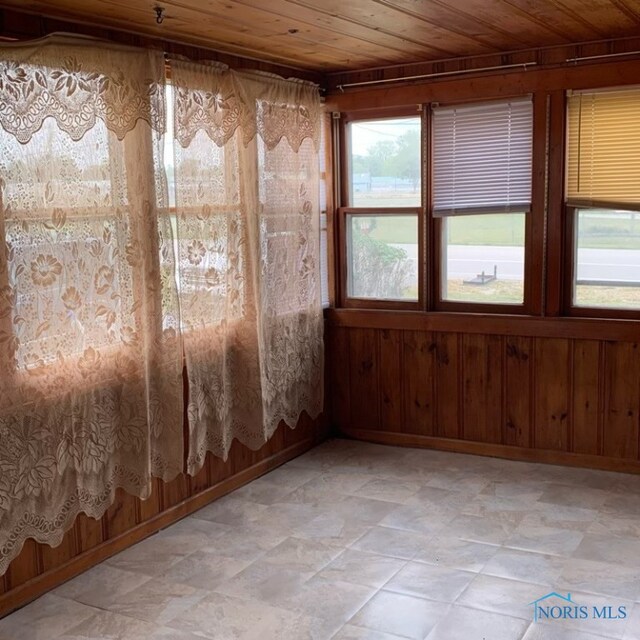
(595,264)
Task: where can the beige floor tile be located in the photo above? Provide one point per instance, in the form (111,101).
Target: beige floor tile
(401,615)
(548,632)
(47,617)
(605,578)
(546,514)
(632,629)
(298,554)
(574,496)
(490,530)
(351,632)
(527,566)
(603,548)
(358,567)
(448,551)
(462,623)
(204,570)
(231,510)
(428,581)
(246,543)
(221,617)
(419,518)
(334,529)
(549,540)
(101,585)
(106,625)
(396,543)
(157,601)
(499,595)
(331,602)
(264,582)
(390,490)
(264,491)
(150,557)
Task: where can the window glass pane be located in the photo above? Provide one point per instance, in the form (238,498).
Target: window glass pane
(384,160)
(483,258)
(382,256)
(607,270)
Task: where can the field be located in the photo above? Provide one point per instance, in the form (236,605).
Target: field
(508,230)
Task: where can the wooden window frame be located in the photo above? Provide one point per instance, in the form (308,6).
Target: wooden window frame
(430,252)
(345,209)
(570,254)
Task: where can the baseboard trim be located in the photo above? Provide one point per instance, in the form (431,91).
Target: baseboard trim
(546,456)
(32,589)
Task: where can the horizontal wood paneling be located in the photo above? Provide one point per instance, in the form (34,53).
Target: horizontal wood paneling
(39,568)
(336,35)
(544,394)
(487,324)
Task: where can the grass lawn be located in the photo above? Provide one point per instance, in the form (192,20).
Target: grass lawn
(508,230)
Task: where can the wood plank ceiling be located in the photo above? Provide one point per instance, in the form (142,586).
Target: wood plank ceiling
(335,35)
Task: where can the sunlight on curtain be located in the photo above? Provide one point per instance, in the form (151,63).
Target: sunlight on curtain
(90,360)
(246,193)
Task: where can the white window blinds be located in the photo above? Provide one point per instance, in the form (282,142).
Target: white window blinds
(482,158)
(603,156)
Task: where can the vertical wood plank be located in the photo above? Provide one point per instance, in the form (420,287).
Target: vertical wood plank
(25,566)
(122,514)
(363,367)
(517,391)
(53,557)
(551,394)
(482,388)
(447,379)
(338,361)
(152,505)
(89,532)
(418,358)
(586,408)
(391,380)
(622,372)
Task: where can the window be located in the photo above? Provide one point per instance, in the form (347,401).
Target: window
(381,226)
(603,197)
(482,157)
(383,256)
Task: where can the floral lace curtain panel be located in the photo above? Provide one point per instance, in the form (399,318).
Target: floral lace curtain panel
(246,193)
(106,293)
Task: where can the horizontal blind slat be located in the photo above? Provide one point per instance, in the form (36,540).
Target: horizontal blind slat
(603,146)
(482,157)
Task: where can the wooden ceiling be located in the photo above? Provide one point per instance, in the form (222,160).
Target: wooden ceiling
(335,35)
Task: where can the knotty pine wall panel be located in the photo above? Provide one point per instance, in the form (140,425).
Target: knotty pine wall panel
(536,397)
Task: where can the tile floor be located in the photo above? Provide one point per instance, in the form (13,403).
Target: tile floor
(354,541)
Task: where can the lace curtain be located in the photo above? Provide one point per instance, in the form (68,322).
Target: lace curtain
(247,222)
(90,360)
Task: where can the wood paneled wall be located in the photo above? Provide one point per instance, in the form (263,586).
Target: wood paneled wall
(39,568)
(571,400)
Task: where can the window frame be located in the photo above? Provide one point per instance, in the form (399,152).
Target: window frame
(345,208)
(533,239)
(570,250)
(430,228)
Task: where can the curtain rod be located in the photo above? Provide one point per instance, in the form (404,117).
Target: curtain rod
(424,76)
(603,55)
(523,65)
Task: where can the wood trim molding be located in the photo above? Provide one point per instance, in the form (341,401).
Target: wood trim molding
(509,452)
(37,586)
(491,324)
